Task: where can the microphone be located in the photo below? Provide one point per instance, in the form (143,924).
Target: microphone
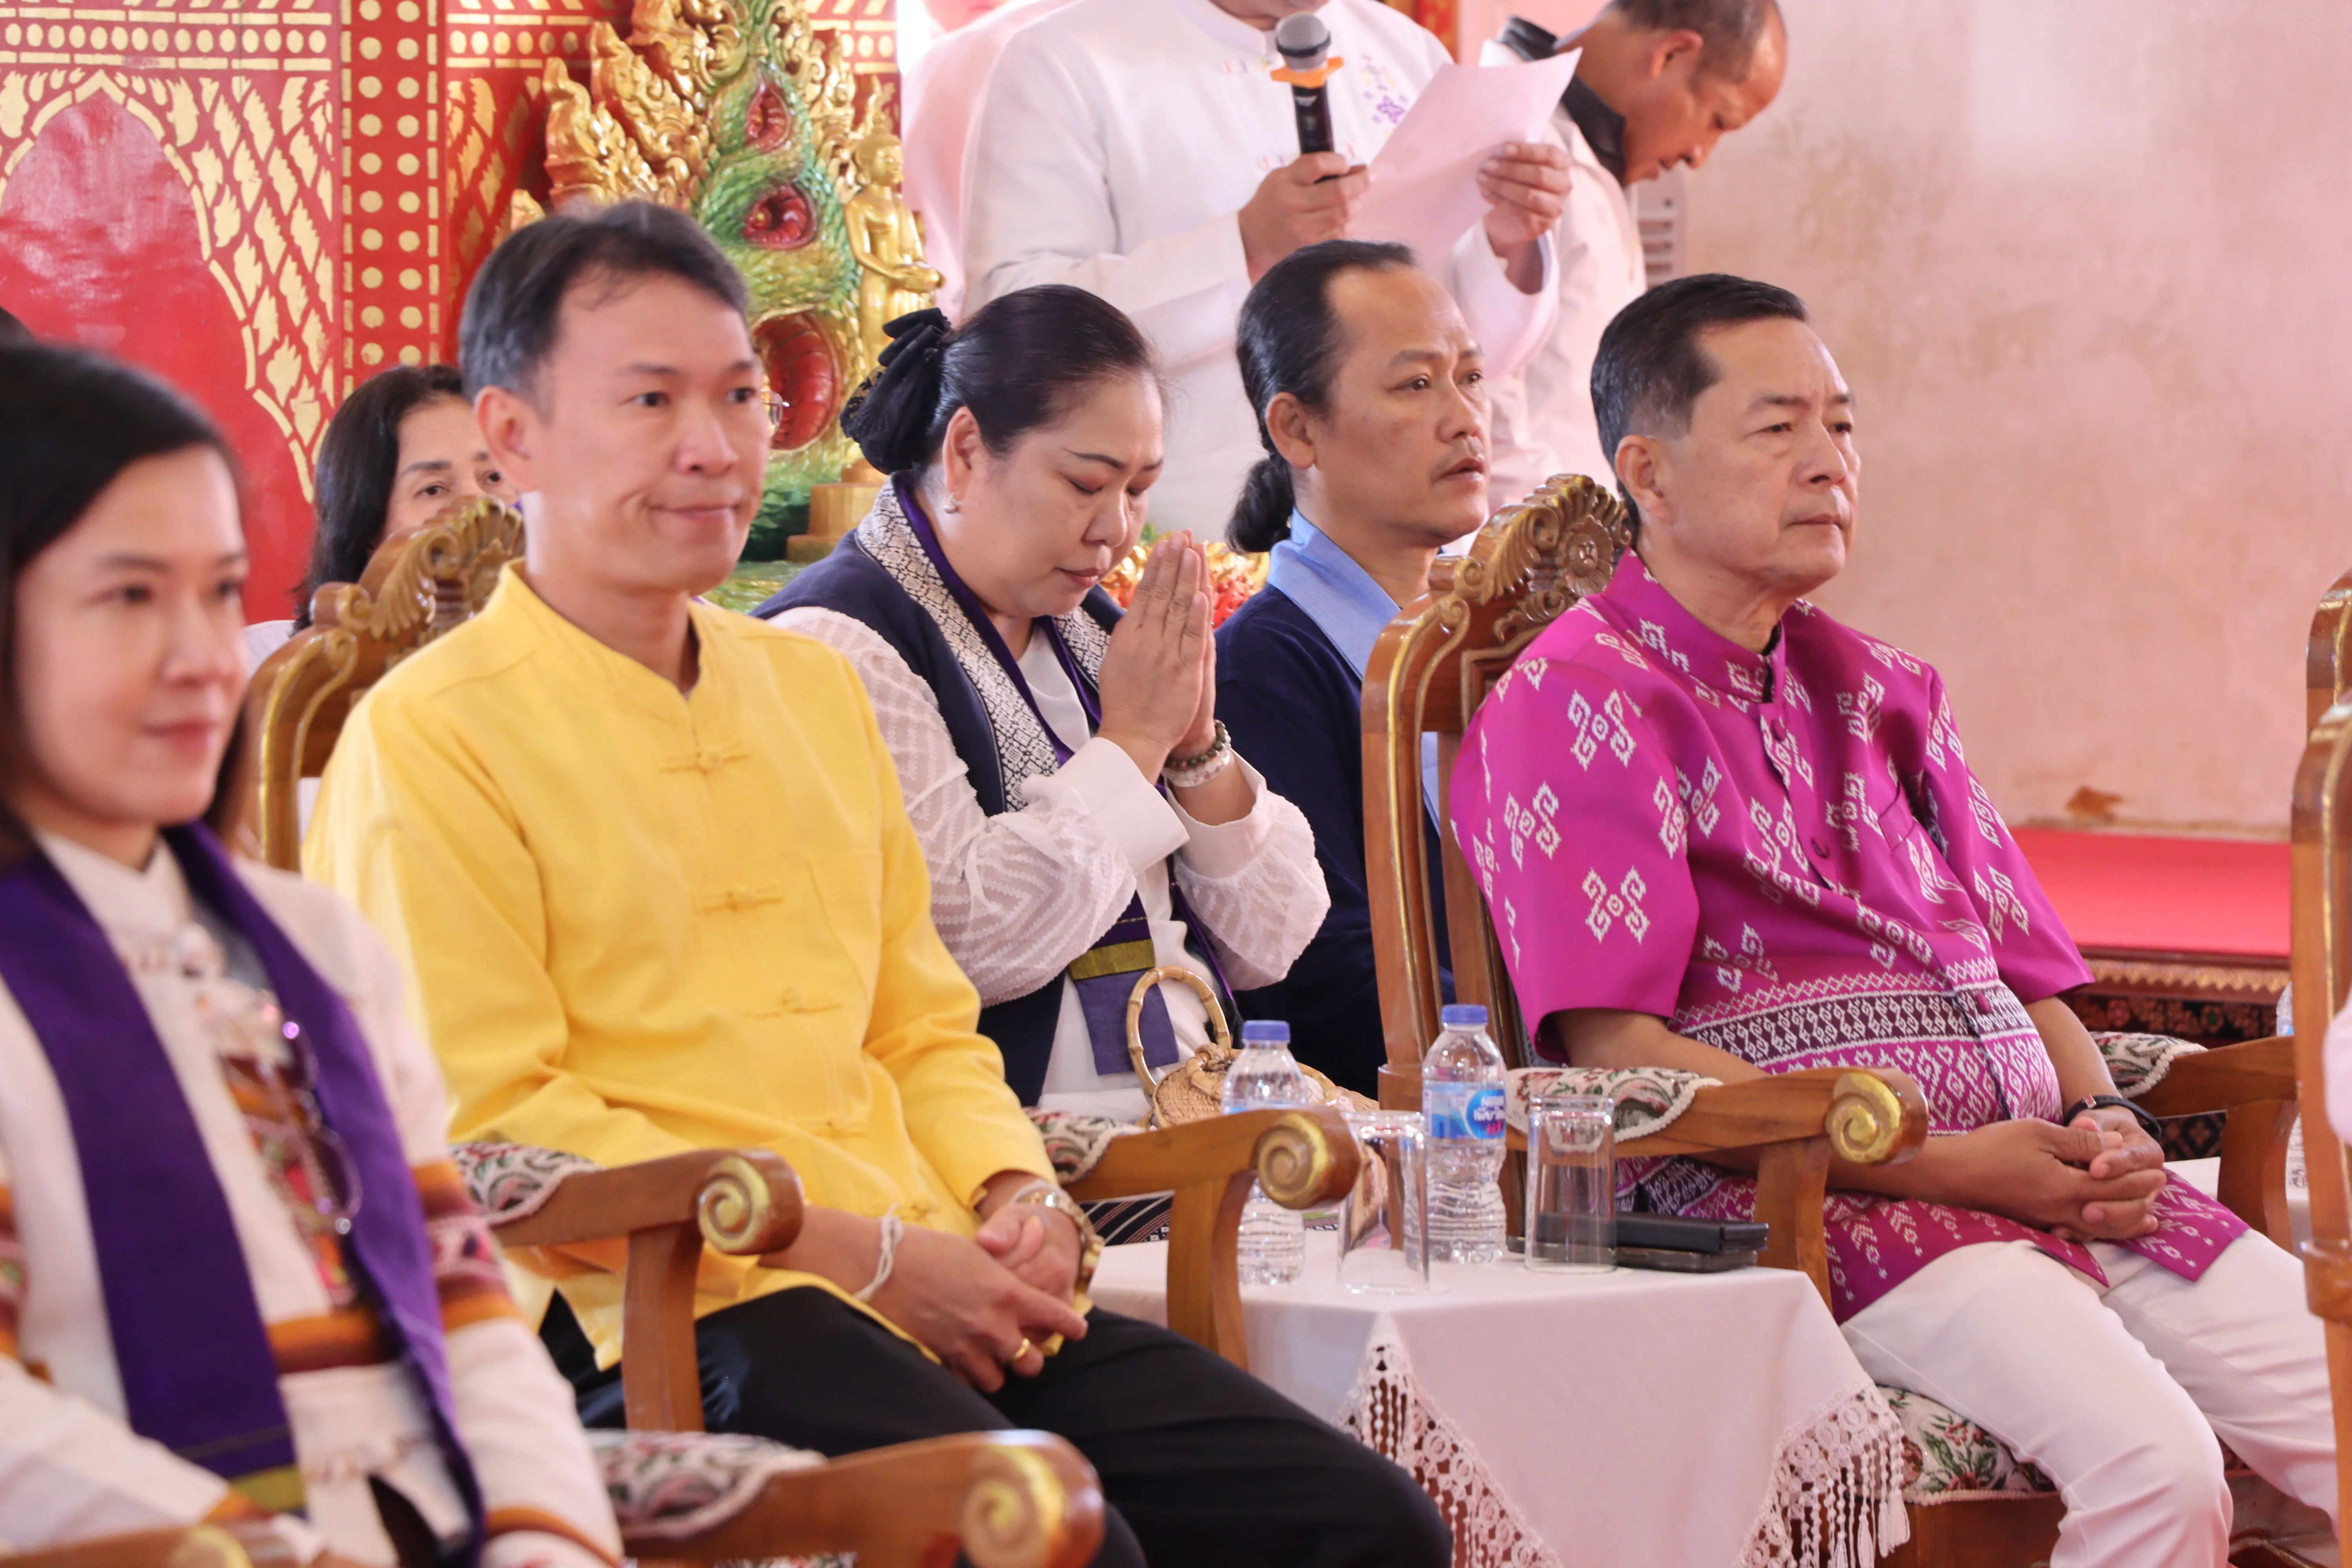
(1304,41)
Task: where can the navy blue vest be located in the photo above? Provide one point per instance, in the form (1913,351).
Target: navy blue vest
(852,582)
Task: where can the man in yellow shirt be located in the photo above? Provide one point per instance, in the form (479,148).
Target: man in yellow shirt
(647,868)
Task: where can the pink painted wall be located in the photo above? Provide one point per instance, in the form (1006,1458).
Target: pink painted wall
(2089,269)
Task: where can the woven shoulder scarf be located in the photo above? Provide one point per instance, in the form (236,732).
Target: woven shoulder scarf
(1024,749)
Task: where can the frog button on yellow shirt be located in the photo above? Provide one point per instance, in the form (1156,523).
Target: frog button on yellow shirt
(637,921)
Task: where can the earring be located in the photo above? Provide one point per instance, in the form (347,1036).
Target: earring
(954,505)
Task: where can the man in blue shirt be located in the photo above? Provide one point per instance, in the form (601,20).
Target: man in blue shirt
(1372,405)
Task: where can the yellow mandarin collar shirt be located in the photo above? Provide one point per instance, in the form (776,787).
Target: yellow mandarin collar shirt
(637,921)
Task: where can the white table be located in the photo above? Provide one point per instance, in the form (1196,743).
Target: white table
(1624,1420)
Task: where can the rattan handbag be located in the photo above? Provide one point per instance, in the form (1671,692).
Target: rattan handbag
(1192,1090)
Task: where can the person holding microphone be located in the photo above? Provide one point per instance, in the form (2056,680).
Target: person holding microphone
(1145,150)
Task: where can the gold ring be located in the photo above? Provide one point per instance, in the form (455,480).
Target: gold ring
(1026,1348)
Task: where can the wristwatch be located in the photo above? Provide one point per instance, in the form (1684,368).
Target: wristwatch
(1049,1195)
(2101,1102)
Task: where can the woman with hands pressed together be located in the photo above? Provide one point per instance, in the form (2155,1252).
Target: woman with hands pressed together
(1083,815)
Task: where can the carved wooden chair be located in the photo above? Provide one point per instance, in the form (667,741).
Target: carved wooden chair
(416,590)
(413,591)
(1428,673)
(2324,665)
(1003,1500)
(1433,666)
(2323,976)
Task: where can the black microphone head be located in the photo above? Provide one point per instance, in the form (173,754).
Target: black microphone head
(1527,41)
(1303,39)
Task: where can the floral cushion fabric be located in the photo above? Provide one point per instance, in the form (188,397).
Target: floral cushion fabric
(1947,1456)
(1648,1098)
(1074,1142)
(510,1181)
(2138,1062)
(667,1485)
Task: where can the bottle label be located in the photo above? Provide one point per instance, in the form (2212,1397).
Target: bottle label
(1463,1110)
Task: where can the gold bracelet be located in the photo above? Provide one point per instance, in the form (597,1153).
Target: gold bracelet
(1043,1193)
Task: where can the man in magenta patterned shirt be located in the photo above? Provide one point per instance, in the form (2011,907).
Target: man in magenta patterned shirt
(1720,832)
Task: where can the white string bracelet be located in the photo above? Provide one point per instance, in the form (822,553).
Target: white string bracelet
(892,1228)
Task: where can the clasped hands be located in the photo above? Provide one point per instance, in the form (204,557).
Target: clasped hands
(983,1305)
(1316,196)
(2094,1179)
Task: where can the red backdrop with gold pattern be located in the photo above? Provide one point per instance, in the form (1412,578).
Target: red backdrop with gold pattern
(265,203)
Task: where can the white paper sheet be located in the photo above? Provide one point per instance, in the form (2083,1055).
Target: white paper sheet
(1424,189)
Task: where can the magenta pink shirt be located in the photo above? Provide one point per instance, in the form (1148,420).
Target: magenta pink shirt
(1783,854)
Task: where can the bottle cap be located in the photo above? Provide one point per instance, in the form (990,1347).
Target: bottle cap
(1266,1032)
(1462,1016)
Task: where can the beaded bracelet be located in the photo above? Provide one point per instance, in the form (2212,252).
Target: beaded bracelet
(1190,773)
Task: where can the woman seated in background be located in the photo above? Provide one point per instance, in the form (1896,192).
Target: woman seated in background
(1083,816)
(1371,403)
(399,449)
(204,1071)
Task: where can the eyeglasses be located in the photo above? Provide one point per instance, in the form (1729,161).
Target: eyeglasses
(777,409)
(335,1177)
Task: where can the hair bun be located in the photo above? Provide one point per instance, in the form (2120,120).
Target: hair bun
(891,418)
(918,333)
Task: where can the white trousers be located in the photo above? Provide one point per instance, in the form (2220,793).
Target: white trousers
(2118,1395)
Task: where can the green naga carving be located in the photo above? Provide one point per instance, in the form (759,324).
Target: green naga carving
(744,115)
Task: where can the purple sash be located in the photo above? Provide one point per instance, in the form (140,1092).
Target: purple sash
(1104,975)
(197,1371)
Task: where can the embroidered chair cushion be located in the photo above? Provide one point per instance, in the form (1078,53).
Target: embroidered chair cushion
(1946,1458)
(1648,1098)
(667,1485)
(1076,1142)
(2138,1062)
(512,1180)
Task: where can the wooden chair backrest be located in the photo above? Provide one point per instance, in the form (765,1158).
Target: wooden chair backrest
(2326,669)
(2322,965)
(414,590)
(1431,668)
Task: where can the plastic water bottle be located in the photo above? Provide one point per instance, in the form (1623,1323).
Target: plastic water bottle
(1462,1107)
(1265,1077)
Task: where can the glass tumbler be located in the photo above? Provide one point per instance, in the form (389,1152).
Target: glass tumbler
(1383,1229)
(1571,1215)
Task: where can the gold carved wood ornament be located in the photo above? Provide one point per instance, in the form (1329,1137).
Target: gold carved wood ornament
(750,117)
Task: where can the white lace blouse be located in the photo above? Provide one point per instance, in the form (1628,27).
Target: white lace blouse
(1018,896)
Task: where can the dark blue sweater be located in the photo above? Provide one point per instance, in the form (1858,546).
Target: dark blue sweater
(1294,708)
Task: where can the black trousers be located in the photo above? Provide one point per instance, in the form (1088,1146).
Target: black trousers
(1202,1466)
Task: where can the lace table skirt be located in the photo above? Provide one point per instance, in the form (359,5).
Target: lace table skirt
(1592,1421)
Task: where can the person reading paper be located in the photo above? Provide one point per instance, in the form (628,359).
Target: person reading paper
(1140,150)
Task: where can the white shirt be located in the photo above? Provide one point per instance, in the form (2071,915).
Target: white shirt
(1117,143)
(1018,896)
(941,92)
(69,1468)
(1544,422)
